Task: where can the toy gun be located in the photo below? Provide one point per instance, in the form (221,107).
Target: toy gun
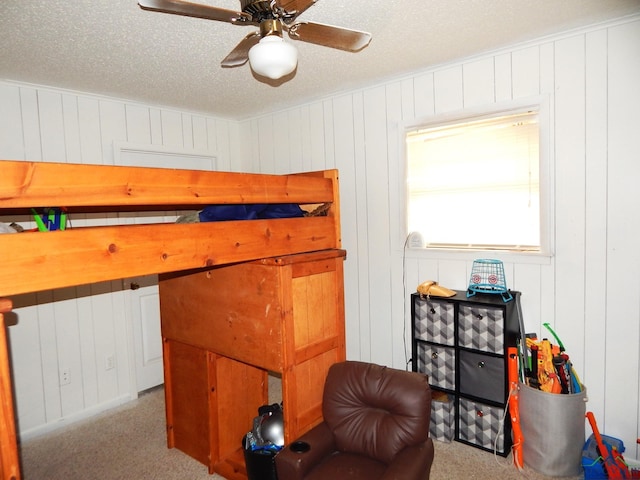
(614,464)
(52,219)
(547,376)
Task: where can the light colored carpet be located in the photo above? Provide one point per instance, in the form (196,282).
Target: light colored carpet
(129,442)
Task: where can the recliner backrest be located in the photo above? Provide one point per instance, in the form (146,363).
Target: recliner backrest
(374,410)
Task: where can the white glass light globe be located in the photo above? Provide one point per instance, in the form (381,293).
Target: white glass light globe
(272,57)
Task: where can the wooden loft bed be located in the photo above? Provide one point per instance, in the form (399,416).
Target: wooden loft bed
(121,251)
(131,250)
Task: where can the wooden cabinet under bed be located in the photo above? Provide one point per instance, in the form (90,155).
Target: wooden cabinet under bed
(224,328)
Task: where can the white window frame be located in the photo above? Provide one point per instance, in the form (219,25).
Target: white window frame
(543,106)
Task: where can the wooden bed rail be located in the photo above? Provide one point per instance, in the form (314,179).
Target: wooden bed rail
(42,184)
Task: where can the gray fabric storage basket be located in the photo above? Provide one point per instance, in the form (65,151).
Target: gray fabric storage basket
(553,430)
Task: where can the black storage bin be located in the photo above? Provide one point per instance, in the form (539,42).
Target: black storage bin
(260,463)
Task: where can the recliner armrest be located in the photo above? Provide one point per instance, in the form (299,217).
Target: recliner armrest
(294,466)
(411,462)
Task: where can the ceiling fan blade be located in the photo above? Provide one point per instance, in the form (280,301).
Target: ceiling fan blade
(296,7)
(240,54)
(189,9)
(330,36)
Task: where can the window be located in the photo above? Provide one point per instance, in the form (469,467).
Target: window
(475,184)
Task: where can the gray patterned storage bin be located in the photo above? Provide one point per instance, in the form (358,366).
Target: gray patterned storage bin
(481,328)
(442,426)
(434,321)
(479,424)
(439,363)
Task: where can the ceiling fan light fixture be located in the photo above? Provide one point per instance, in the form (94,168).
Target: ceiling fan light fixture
(273,58)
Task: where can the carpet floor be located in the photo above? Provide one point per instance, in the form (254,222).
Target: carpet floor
(129,442)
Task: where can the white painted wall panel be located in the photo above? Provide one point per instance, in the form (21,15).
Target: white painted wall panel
(623,255)
(423,86)
(448,90)
(172,128)
(295,128)
(361,331)
(51,126)
(480,90)
(305,135)
(408,100)
(30,124)
(503,79)
(317,154)
(48,356)
(113,127)
(155,116)
(570,187)
(378,223)
(281,138)
(68,347)
(200,134)
(525,65)
(87,338)
(395,176)
(10,122)
(345,147)
(89,130)
(138,124)
(73,151)
(187,131)
(594,357)
(27,375)
(224,139)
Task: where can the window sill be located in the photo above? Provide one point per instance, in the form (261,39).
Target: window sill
(453,254)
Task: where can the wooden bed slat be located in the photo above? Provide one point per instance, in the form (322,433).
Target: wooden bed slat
(41,184)
(46,260)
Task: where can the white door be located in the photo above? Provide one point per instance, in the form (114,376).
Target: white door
(144,309)
(142,292)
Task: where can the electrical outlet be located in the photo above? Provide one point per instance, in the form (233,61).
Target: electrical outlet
(65,376)
(109,362)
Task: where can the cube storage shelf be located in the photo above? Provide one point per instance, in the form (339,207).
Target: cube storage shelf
(461,344)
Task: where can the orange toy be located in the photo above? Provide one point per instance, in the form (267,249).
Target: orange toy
(514,406)
(614,464)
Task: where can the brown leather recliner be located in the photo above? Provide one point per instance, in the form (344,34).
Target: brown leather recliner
(376,427)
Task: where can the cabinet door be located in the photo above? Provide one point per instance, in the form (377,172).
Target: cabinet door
(481,328)
(439,363)
(434,321)
(188,391)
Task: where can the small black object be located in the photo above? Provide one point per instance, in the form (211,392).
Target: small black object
(300,447)
(260,464)
(269,409)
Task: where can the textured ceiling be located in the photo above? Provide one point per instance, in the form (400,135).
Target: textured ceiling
(113,47)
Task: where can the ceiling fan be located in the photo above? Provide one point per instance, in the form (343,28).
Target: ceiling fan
(265,50)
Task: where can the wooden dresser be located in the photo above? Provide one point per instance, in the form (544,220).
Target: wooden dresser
(225,328)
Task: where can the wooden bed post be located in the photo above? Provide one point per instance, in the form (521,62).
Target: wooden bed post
(334,210)
(9,465)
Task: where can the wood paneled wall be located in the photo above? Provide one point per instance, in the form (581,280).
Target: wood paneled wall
(588,289)
(79,327)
